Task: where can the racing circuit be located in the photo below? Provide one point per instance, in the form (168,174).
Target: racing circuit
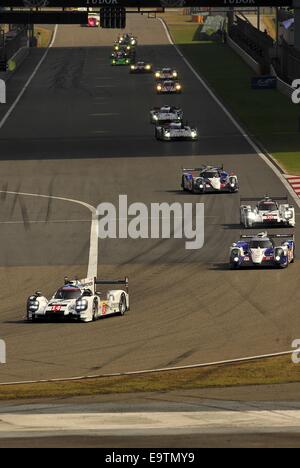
(81,133)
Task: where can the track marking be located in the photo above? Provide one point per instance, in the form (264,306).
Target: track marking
(94,239)
(32,76)
(233,120)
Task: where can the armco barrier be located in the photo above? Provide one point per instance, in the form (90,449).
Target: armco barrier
(18,59)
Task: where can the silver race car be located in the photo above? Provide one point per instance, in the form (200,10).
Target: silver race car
(176,131)
(168,87)
(261,250)
(267,211)
(166,74)
(165,114)
(79,300)
(209,179)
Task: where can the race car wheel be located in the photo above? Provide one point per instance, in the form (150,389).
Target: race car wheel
(95,309)
(183,185)
(122,305)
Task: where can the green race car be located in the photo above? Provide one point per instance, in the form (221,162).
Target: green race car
(120,59)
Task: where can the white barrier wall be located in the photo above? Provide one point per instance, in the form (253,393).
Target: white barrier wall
(243,54)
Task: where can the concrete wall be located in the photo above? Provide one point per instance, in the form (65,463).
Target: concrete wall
(246,57)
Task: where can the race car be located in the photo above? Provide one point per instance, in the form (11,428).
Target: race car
(267,211)
(127,39)
(124,48)
(261,250)
(79,300)
(209,179)
(166,114)
(176,131)
(166,74)
(168,87)
(141,67)
(120,58)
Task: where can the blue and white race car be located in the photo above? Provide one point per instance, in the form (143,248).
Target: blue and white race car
(261,250)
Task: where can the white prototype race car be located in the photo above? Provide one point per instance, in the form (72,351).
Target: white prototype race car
(176,132)
(267,212)
(165,114)
(79,300)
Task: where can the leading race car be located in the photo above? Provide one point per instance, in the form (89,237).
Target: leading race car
(166,114)
(261,250)
(121,59)
(166,74)
(140,68)
(267,211)
(209,179)
(176,131)
(127,39)
(168,87)
(79,300)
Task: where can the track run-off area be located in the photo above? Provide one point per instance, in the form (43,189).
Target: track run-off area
(80,135)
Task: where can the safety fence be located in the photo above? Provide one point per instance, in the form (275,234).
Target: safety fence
(288,63)
(13,41)
(256,43)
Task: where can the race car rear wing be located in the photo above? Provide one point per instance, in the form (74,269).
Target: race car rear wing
(257,199)
(124,282)
(268,236)
(221,168)
(91,283)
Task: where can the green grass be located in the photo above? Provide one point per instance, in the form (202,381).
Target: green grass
(270,117)
(273,371)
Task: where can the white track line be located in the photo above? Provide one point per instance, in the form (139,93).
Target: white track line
(32,76)
(233,120)
(93,253)
(152,371)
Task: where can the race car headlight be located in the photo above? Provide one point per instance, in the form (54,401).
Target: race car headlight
(81,305)
(155,117)
(288,215)
(113,61)
(277,258)
(33,306)
(157,75)
(194,134)
(235,253)
(236,259)
(148,67)
(159,88)
(175,74)
(178,87)
(251,215)
(167,134)
(111,298)
(132,67)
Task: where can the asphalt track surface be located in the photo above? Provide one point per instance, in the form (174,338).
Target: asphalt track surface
(81,131)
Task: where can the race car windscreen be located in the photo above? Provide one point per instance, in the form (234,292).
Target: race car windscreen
(262,244)
(210,175)
(67,294)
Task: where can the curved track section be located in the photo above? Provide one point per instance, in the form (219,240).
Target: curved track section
(81,131)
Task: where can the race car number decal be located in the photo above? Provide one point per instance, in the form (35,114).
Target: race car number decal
(104,309)
(56,308)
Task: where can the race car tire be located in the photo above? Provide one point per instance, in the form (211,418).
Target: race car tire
(183,186)
(122,305)
(95,307)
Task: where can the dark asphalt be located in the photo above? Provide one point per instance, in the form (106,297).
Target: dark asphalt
(82,131)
